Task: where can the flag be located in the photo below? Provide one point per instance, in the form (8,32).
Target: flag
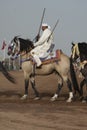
(3,45)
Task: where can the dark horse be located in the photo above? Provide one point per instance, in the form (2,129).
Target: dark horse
(6,74)
(79,56)
(63,67)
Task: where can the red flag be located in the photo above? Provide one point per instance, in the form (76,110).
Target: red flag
(3,45)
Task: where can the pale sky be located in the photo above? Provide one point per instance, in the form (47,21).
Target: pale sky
(22,17)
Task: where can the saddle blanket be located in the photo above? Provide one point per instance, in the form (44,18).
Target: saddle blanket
(54,56)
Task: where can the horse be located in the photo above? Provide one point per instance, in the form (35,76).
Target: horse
(62,67)
(79,57)
(6,73)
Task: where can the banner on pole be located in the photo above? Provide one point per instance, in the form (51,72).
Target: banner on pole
(3,45)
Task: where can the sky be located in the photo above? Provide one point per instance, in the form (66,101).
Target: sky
(23,17)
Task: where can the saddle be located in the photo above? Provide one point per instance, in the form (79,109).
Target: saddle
(53,57)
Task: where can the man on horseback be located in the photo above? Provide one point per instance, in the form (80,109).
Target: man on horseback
(44,45)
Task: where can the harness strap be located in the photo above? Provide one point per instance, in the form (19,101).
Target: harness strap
(33,70)
(83,63)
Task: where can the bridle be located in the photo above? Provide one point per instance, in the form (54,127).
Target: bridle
(75,51)
(14,48)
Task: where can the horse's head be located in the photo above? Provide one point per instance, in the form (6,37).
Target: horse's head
(75,52)
(19,45)
(13,46)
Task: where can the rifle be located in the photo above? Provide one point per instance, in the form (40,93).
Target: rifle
(48,38)
(53,30)
(38,35)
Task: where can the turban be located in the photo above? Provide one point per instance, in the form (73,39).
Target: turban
(46,25)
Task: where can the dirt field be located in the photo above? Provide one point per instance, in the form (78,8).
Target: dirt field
(43,114)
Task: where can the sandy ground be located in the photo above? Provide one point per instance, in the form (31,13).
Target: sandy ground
(43,114)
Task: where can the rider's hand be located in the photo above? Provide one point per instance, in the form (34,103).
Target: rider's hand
(37,37)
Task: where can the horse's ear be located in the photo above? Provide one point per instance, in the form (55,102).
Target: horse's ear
(73,43)
(16,37)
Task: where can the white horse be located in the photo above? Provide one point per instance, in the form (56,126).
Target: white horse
(62,67)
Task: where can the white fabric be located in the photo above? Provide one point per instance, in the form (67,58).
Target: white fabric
(43,47)
(49,27)
(45,24)
(38,61)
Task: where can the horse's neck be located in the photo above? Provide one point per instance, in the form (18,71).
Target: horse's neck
(82,52)
(25,55)
(83,57)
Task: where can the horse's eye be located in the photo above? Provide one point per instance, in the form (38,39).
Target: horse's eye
(12,44)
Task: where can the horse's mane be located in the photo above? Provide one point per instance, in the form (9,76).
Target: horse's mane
(25,44)
(83,50)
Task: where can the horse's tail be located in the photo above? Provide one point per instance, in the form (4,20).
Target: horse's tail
(74,78)
(6,74)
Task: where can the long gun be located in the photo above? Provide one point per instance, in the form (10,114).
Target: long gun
(53,30)
(48,38)
(38,35)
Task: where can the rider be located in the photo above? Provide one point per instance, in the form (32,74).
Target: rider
(44,45)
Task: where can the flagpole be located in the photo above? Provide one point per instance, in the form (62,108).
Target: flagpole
(19,58)
(3,48)
(4,55)
(9,63)
(19,61)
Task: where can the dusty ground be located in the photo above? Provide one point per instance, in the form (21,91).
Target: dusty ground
(42,114)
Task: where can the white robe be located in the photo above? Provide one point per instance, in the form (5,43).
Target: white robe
(43,45)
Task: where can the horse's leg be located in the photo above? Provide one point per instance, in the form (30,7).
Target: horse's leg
(26,79)
(32,81)
(74,78)
(70,90)
(81,86)
(83,82)
(60,84)
(85,97)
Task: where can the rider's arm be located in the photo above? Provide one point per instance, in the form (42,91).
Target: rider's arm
(43,38)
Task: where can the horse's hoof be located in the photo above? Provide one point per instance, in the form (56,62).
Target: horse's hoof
(24,97)
(69,100)
(54,98)
(81,98)
(37,98)
(84,101)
